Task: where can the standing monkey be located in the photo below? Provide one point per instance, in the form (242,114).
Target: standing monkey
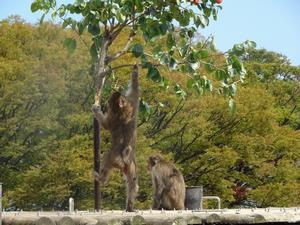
(120,119)
(168,184)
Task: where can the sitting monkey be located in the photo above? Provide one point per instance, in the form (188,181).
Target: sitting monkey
(120,119)
(168,184)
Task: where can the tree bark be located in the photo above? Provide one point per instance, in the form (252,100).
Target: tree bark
(101,72)
(97,191)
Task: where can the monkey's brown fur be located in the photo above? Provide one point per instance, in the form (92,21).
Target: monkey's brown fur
(120,119)
(168,184)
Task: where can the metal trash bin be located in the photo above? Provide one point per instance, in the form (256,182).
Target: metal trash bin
(193,197)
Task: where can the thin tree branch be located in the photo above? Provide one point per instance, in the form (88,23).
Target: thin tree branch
(124,50)
(170,135)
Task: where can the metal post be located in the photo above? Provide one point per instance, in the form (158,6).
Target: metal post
(97,193)
(0,203)
(71,205)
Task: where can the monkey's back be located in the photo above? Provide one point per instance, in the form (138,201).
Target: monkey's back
(174,187)
(124,135)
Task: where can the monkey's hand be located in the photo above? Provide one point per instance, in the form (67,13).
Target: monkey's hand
(102,119)
(96,109)
(96,176)
(135,71)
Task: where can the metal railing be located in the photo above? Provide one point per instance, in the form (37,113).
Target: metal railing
(212,198)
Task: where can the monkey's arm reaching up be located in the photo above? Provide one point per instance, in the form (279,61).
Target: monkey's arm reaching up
(102,118)
(134,91)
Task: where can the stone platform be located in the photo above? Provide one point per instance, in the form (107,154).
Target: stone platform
(155,217)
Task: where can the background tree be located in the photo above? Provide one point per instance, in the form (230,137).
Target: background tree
(154,19)
(249,158)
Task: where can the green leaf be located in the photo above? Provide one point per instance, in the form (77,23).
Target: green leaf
(207,12)
(93,51)
(170,41)
(203,20)
(35,6)
(187,69)
(53,15)
(154,74)
(215,14)
(208,85)
(184,20)
(197,77)
(236,64)
(145,107)
(120,17)
(80,27)
(203,53)
(179,91)
(250,44)
(137,50)
(144,110)
(94,29)
(209,67)
(160,104)
(190,83)
(238,49)
(232,106)
(164,59)
(220,74)
(163,28)
(69,21)
(164,83)
(62,11)
(70,44)
(199,89)
(157,50)
(233,89)
(172,64)
(144,60)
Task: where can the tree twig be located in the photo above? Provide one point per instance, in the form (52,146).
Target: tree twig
(124,50)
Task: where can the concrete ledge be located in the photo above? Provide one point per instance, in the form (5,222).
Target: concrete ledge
(154,217)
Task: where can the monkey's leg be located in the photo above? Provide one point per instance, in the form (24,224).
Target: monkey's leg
(126,155)
(108,165)
(156,204)
(132,185)
(157,199)
(166,201)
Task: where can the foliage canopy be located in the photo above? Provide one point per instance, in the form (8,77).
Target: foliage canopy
(249,158)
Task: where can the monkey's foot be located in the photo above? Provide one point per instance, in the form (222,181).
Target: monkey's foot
(129,207)
(99,177)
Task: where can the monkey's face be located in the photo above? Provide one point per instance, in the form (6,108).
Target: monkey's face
(151,163)
(117,102)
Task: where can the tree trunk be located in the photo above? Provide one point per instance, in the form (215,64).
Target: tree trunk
(97,192)
(100,75)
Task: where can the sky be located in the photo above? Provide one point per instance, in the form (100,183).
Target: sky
(272,24)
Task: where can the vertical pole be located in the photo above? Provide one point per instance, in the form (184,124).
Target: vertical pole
(71,205)
(97,193)
(0,203)
(201,197)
